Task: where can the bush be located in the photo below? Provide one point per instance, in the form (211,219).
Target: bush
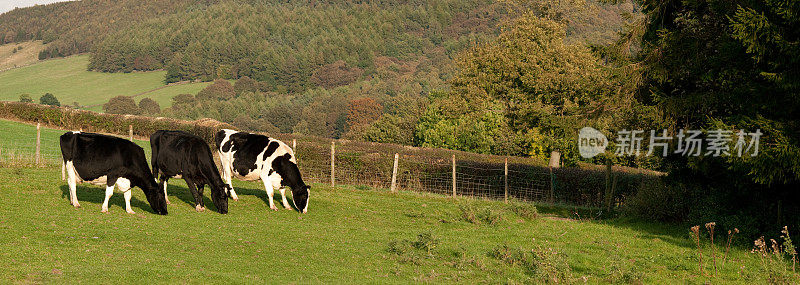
(545,265)
(221,89)
(525,210)
(25,98)
(474,215)
(121,105)
(149,106)
(49,99)
(658,201)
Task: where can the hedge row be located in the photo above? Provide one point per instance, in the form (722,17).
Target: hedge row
(72,119)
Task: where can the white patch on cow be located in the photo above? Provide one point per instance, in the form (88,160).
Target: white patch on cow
(72,181)
(99,181)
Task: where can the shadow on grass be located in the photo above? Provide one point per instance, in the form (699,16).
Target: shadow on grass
(184,194)
(98,195)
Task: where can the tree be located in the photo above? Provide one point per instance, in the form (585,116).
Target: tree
(49,99)
(183,99)
(149,106)
(121,105)
(245,84)
(363,111)
(335,74)
(221,89)
(25,98)
(526,84)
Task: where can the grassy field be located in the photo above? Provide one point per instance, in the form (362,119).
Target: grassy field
(68,79)
(351,233)
(27,53)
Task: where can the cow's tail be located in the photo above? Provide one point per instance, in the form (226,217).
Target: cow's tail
(67,142)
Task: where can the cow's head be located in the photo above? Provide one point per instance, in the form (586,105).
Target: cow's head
(219,195)
(300,197)
(156,198)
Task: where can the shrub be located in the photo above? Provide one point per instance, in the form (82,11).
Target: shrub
(658,201)
(525,210)
(49,99)
(121,105)
(487,216)
(545,265)
(149,106)
(25,98)
(245,84)
(221,89)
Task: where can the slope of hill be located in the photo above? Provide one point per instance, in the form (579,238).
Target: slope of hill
(14,55)
(70,82)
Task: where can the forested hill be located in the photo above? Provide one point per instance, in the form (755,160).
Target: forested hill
(281,43)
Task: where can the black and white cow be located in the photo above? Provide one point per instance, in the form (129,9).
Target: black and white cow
(252,157)
(109,161)
(179,155)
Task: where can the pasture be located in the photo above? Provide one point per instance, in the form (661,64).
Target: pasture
(68,79)
(351,233)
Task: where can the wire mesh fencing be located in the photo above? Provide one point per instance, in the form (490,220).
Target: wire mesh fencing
(342,162)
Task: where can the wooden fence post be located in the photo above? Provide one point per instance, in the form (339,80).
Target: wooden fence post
(333,163)
(38,142)
(394,173)
(555,162)
(505,187)
(130,132)
(454,176)
(294,144)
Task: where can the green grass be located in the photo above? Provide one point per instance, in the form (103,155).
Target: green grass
(20,139)
(351,233)
(345,237)
(68,79)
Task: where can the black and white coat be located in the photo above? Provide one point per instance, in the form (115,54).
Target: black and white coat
(252,157)
(177,154)
(109,161)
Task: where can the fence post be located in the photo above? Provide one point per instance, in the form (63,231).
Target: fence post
(333,163)
(505,187)
(130,132)
(555,162)
(607,196)
(454,176)
(38,142)
(294,144)
(394,173)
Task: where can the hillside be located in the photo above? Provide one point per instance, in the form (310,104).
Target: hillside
(69,81)
(14,55)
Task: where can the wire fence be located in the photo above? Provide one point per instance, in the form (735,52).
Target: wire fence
(342,162)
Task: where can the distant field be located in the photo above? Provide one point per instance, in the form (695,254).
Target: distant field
(68,79)
(29,53)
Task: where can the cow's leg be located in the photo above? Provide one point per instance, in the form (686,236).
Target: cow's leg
(72,180)
(285,203)
(200,188)
(270,191)
(124,185)
(197,198)
(165,180)
(109,192)
(227,171)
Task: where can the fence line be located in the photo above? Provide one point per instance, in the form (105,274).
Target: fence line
(348,164)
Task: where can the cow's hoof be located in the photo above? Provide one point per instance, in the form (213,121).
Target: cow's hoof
(76,205)
(131,212)
(199,208)
(287,207)
(274,208)
(168,203)
(236,199)
(104,211)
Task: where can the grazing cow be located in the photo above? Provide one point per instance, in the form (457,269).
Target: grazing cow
(109,161)
(179,155)
(252,157)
